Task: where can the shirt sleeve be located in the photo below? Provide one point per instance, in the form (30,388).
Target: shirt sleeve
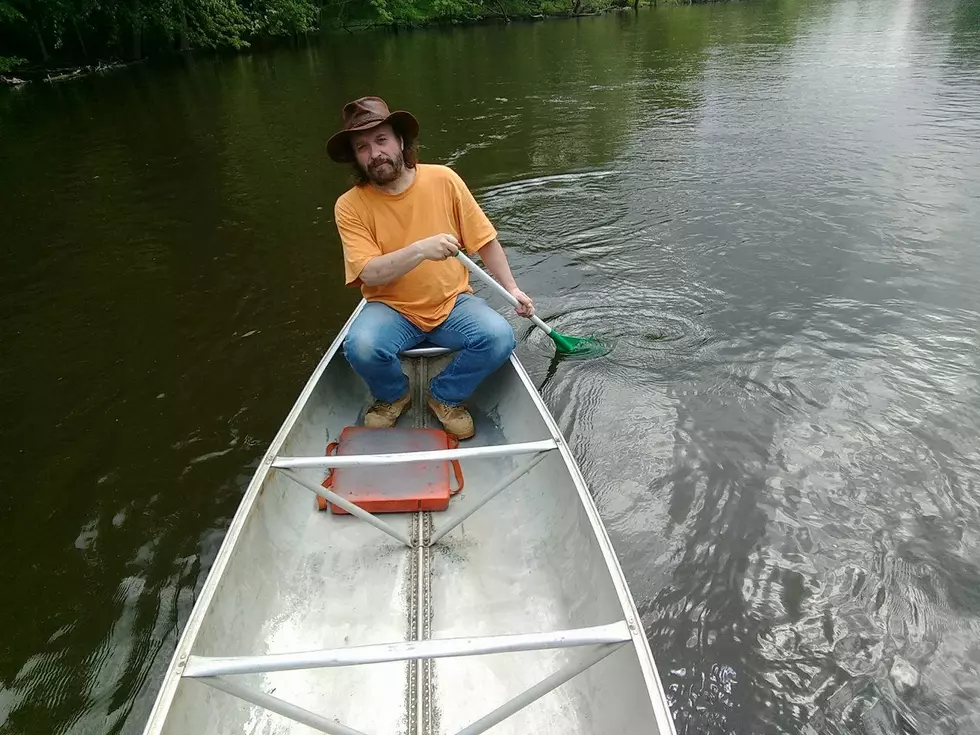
(359,244)
(475,228)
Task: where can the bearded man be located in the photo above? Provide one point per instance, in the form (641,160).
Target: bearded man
(401,225)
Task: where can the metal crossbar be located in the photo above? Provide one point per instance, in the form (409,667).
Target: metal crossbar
(607,638)
(452,521)
(425,352)
(534,693)
(437,455)
(204,666)
(509,708)
(354,510)
(281,707)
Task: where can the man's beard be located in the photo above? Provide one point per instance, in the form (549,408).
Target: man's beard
(384,170)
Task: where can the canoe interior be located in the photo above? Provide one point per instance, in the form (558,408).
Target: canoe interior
(528,561)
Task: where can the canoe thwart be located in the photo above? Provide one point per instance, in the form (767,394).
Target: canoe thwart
(332,497)
(454,520)
(511,707)
(534,693)
(281,707)
(207,666)
(439,455)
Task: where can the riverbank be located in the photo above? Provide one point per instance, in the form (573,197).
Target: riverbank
(28,74)
(18,71)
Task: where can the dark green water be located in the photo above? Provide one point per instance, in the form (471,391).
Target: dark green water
(770,208)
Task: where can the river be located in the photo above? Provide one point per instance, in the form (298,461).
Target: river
(770,209)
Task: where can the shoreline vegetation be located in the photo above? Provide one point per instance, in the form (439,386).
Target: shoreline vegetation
(62,40)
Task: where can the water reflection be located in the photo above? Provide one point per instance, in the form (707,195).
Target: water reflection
(767,210)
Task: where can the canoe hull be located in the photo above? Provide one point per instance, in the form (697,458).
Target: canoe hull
(533,559)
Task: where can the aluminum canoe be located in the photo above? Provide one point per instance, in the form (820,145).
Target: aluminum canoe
(516,620)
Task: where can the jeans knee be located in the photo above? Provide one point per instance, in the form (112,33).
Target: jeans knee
(360,349)
(500,341)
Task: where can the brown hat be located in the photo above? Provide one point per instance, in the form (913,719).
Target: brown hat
(364,113)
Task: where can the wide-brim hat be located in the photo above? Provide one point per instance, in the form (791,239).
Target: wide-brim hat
(365,113)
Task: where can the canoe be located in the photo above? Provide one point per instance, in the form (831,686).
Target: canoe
(506,612)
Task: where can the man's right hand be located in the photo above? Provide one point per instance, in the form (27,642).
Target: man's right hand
(438,247)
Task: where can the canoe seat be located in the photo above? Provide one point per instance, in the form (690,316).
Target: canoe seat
(390,488)
(426,349)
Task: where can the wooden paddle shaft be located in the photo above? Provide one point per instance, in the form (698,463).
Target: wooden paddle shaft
(491,281)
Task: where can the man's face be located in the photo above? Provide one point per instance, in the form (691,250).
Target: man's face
(378,152)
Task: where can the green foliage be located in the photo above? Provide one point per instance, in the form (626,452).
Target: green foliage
(283,17)
(396,12)
(380,7)
(68,30)
(217,24)
(451,9)
(566,7)
(11,63)
(9,13)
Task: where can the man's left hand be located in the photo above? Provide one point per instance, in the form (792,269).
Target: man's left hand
(525,306)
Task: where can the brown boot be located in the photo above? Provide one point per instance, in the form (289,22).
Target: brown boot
(384,415)
(455,420)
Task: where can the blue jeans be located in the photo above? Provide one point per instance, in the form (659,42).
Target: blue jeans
(482,338)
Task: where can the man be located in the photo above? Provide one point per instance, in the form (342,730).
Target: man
(401,225)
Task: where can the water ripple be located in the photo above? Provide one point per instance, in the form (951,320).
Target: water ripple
(770,213)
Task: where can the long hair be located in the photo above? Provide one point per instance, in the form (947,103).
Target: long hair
(410,154)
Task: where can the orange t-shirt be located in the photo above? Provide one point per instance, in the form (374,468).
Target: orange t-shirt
(372,223)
